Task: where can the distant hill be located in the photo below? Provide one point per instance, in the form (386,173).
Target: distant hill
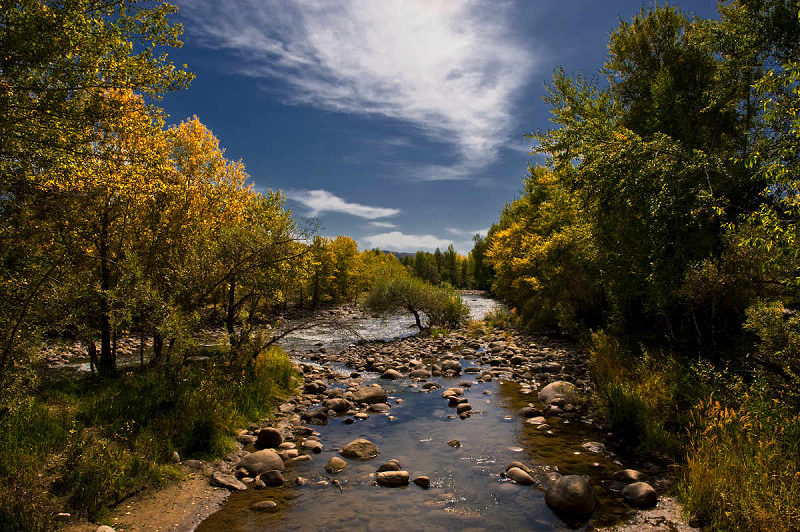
(398,254)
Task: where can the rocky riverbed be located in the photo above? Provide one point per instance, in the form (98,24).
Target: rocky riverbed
(477,432)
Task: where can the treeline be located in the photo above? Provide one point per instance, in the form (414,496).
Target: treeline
(449,266)
(664,232)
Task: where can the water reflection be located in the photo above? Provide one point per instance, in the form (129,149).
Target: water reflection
(467,490)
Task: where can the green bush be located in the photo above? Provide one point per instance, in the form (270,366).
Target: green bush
(442,305)
(638,396)
(99,441)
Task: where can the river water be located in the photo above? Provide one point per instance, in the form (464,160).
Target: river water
(467,489)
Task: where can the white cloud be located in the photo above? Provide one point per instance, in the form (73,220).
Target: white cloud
(450,68)
(462,232)
(385,225)
(523,146)
(319,201)
(398,241)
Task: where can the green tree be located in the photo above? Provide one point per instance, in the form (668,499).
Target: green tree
(441,304)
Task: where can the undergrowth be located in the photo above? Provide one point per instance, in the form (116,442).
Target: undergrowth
(81,446)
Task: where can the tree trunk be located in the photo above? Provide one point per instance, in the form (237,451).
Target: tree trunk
(107,365)
(93,364)
(315,294)
(158,349)
(231,314)
(416,318)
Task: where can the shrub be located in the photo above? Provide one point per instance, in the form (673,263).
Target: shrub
(637,396)
(118,434)
(741,471)
(442,305)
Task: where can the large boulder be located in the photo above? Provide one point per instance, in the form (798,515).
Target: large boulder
(370,395)
(571,495)
(260,462)
(360,449)
(640,495)
(557,389)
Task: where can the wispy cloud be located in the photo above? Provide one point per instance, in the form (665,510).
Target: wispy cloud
(467,232)
(385,225)
(451,68)
(319,201)
(399,241)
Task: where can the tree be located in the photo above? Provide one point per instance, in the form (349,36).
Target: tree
(441,304)
(59,62)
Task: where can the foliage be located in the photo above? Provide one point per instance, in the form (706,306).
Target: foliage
(449,267)
(639,396)
(544,258)
(441,305)
(117,434)
(668,216)
(741,470)
(60,63)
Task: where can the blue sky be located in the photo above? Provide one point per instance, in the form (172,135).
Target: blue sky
(397,122)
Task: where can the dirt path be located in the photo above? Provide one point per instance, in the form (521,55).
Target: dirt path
(178,507)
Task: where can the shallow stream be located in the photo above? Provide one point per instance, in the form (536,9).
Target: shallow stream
(467,488)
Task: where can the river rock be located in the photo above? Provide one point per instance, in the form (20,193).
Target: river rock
(370,395)
(391,374)
(360,449)
(529,412)
(312,445)
(335,464)
(379,407)
(519,476)
(261,461)
(627,475)
(422,481)
(393,479)
(247,439)
(314,387)
(273,478)
(265,506)
(338,405)
(420,374)
(557,389)
(571,495)
(227,481)
(269,437)
(463,407)
(104,528)
(454,443)
(640,495)
(452,392)
(451,365)
(391,465)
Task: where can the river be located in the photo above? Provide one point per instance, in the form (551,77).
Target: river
(468,490)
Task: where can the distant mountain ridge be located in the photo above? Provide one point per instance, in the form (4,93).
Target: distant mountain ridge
(398,254)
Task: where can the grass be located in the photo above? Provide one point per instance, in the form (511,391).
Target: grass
(81,446)
(638,395)
(741,471)
(739,446)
